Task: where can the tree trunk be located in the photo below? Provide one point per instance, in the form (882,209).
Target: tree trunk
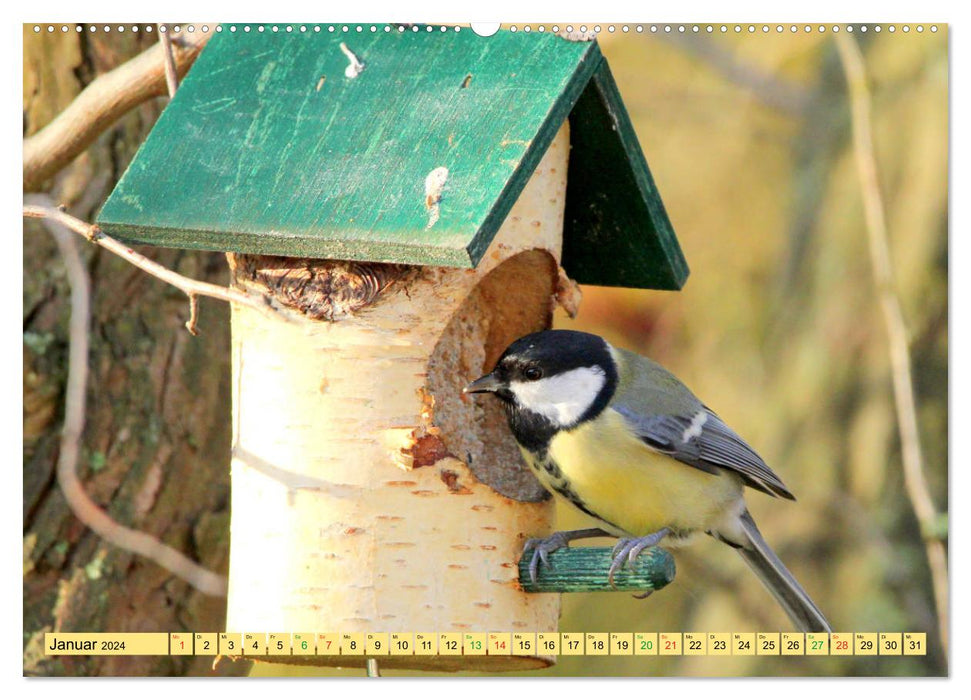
(155,448)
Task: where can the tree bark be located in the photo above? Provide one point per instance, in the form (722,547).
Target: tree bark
(155,449)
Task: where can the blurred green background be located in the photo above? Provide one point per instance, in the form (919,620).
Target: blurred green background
(779,329)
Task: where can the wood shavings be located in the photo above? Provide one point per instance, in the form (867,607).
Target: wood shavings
(434,184)
(577,35)
(567,294)
(354,66)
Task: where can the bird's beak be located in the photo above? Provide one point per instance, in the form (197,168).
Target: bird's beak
(483,384)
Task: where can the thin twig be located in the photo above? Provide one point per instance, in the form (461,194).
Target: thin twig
(80,503)
(102,103)
(915,481)
(190,325)
(171,75)
(190,287)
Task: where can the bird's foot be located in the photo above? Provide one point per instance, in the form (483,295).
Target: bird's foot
(628,549)
(542,547)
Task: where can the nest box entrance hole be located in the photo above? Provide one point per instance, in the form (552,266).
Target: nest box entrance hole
(513,300)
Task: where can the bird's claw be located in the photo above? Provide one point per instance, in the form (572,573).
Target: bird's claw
(627,550)
(542,547)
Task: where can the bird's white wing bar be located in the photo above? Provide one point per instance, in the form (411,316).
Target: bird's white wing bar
(704,441)
(697,425)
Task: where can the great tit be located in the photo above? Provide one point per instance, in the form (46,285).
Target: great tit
(623,440)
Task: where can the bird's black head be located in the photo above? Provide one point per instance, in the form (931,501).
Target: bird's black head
(560,378)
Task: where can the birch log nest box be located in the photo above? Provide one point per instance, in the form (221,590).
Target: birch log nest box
(407,203)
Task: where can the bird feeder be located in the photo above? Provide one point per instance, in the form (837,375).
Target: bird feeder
(407,203)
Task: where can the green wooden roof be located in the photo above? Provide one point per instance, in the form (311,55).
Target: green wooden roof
(274,145)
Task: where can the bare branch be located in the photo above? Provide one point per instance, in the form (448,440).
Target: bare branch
(190,325)
(915,481)
(190,287)
(80,503)
(171,73)
(100,104)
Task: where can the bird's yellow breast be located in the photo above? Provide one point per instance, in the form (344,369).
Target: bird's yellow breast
(627,484)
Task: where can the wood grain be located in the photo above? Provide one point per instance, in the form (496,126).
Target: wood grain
(584,570)
(272,147)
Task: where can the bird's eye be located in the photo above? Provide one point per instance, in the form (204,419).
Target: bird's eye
(533,373)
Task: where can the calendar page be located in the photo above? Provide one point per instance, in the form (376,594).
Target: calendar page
(580,349)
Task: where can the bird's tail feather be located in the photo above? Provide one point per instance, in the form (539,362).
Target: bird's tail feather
(777,579)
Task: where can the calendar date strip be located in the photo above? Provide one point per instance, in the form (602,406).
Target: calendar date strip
(377,644)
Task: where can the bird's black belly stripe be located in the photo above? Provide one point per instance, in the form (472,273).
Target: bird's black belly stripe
(560,484)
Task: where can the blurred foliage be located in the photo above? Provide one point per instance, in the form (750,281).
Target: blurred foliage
(779,331)
(778,328)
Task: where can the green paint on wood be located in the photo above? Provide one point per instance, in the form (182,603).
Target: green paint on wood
(584,569)
(271,147)
(616,231)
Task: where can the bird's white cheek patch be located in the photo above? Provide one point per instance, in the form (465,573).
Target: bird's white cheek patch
(562,398)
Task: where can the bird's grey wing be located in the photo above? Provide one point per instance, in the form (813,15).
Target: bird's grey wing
(702,440)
